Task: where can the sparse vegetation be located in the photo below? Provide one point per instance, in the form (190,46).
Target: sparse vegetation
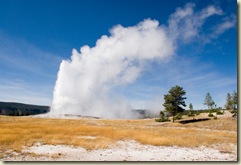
(210,114)
(190,113)
(233,111)
(17,132)
(162,118)
(219,112)
(178,116)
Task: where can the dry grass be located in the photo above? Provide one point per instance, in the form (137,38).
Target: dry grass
(17,132)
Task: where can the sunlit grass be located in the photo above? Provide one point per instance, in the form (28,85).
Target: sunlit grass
(16,132)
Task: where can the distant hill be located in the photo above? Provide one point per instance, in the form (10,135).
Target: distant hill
(19,109)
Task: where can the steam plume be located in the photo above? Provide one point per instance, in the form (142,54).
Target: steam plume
(85,82)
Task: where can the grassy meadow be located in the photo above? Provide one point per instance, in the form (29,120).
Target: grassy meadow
(17,132)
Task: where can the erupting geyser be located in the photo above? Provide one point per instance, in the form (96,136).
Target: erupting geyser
(85,82)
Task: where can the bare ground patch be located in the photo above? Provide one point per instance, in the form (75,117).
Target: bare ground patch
(121,151)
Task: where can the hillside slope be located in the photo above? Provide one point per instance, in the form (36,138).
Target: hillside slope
(19,109)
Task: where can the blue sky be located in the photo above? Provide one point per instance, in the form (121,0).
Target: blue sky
(35,36)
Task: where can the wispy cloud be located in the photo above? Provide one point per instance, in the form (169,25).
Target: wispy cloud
(197,78)
(20,91)
(209,11)
(186,24)
(21,55)
(27,72)
(226,24)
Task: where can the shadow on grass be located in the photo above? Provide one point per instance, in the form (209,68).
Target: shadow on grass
(193,120)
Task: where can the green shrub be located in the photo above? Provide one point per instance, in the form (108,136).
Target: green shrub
(219,112)
(215,118)
(190,113)
(178,116)
(197,113)
(210,114)
(162,114)
(233,111)
(162,120)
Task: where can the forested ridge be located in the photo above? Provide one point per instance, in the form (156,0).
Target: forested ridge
(20,109)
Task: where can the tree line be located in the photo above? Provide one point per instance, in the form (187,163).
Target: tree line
(19,109)
(174,103)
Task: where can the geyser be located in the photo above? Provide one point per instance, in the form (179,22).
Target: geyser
(85,82)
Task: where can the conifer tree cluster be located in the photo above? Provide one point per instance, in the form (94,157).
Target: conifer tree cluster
(231,101)
(174,104)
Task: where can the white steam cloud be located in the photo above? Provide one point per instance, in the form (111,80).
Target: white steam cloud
(84,84)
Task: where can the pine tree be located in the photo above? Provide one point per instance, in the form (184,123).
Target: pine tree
(174,100)
(229,103)
(209,101)
(234,100)
(190,106)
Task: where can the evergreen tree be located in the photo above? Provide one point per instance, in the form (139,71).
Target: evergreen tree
(190,106)
(174,100)
(209,101)
(234,100)
(212,105)
(229,103)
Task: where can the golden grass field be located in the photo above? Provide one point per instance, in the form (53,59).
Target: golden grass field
(17,132)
